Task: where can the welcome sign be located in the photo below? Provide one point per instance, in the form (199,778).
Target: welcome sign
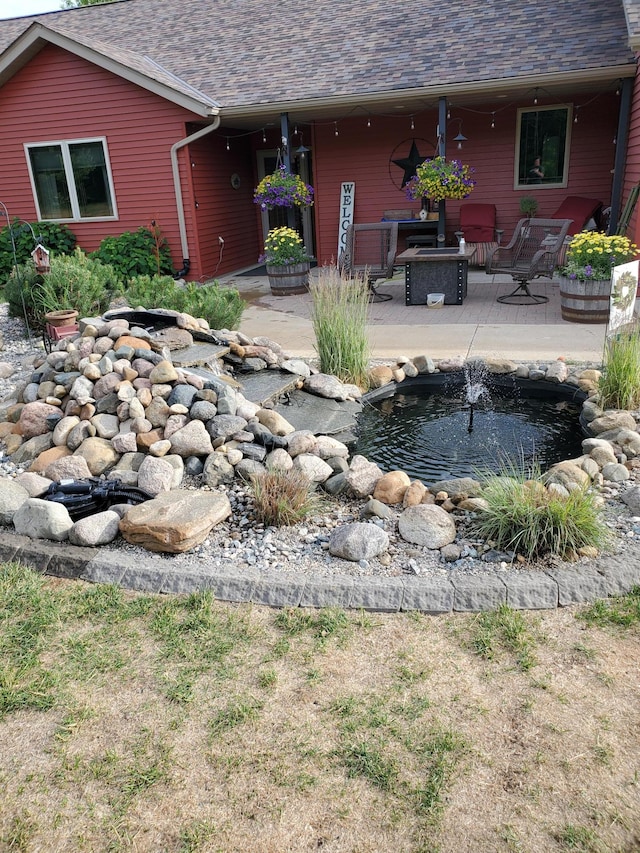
(347,196)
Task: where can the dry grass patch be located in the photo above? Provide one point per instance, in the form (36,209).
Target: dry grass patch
(212,727)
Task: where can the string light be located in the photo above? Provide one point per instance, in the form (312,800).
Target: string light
(575,118)
(368,122)
(228,146)
(413,124)
(335,132)
(264,135)
(448,112)
(493,120)
(535,96)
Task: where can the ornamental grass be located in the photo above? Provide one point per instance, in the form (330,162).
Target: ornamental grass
(340,313)
(525,517)
(619,385)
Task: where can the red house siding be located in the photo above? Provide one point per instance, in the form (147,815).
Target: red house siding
(221,210)
(363,155)
(59,96)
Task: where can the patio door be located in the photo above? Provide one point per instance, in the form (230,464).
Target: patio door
(276,218)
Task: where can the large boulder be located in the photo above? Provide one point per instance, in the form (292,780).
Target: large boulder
(176,521)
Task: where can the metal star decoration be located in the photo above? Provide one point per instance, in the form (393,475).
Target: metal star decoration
(410,164)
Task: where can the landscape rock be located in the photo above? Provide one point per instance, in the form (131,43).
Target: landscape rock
(427,525)
(40,519)
(362,476)
(391,487)
(12,496)
(175,521)
(94,530)
(358,541)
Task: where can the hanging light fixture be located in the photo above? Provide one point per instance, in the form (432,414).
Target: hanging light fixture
(460,138)
(302,150)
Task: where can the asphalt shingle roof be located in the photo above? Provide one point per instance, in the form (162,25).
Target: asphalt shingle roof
(248,52)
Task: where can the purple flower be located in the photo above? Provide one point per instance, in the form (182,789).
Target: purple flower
(588,270)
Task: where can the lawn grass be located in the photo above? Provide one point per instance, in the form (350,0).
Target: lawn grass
(149,723)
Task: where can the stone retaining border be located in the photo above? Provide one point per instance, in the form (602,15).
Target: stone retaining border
(609,575)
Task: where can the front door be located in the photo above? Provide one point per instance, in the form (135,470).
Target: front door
(276,218)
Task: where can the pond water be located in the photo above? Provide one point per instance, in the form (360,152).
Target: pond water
(426,431)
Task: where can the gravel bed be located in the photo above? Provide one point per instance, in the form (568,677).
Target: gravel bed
(241,542)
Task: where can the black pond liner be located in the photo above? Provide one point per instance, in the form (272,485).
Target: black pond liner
(421,426)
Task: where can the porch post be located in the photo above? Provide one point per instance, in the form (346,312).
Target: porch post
(285,149)
(622,136)
(442,151)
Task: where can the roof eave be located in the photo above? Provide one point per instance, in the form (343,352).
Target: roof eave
(29,43)
(491,87)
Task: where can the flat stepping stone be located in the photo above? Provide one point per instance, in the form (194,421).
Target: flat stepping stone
(198,354)
(267,385)
(320,414)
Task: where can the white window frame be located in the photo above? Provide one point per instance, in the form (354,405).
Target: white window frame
(68,169)
(567,148)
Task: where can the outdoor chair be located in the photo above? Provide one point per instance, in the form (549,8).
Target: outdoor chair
(532,252)
(478,227)
(371,250)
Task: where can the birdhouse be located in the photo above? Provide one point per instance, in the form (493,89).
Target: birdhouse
(40,257)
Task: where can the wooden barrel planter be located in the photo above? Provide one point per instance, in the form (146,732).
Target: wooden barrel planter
(289,280)
(585,301)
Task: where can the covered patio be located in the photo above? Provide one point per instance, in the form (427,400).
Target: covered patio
(479,327)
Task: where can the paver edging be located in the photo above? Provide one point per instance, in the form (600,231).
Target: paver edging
(521,590)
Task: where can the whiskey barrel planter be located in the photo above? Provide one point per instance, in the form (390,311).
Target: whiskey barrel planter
(585,301)
(289,280)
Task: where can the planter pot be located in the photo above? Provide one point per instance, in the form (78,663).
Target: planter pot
(585,301)
(66,317)
(288,280)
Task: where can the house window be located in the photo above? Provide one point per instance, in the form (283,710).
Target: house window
(542,133)
(71,180)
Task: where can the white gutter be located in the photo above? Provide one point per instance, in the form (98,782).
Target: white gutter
(176,181)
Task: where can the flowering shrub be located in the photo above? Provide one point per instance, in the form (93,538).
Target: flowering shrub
(283,247)
(438,179)
(282,189)
(592,255)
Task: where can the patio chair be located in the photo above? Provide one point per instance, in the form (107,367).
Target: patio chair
(478,227)
(371,250)
(532,252)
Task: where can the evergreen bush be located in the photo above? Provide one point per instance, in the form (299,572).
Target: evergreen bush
(133,253)
(58,239)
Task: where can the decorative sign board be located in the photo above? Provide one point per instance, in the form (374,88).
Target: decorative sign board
(623,294)
(347,196)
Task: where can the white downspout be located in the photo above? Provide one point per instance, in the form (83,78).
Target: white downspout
(178,189)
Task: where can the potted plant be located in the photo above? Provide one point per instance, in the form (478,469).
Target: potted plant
(282,189)
(439,179)
(287,262)
(528,206)
(585,279)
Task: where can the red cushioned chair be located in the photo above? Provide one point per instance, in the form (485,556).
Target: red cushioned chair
(581,210)
(478,227)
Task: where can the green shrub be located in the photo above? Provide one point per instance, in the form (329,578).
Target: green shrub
(221,307)
(525,517)
(619,384)
(75,281)
(19,290)
(57,238)
(133,253)
(282,497)
(339,313)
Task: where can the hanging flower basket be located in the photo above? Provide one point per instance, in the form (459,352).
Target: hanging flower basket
(439,179)
(282,189)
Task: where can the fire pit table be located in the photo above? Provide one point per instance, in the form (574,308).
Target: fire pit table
(429,271)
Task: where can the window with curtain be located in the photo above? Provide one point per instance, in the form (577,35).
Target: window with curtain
(542,147)
(72,180)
